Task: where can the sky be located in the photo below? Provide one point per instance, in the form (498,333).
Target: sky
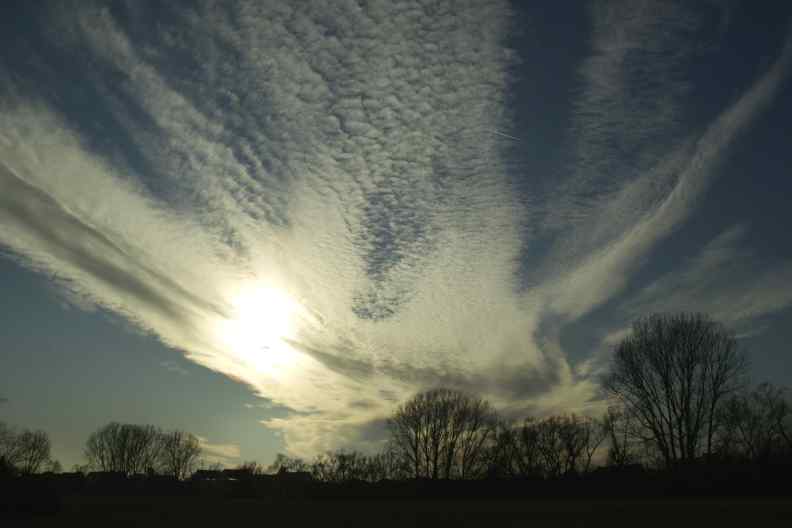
(270,222)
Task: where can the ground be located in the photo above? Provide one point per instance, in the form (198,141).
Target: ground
(112,511)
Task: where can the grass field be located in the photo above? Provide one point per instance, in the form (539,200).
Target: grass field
(139,511)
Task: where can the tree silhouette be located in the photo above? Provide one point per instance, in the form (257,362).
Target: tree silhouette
(33,451)
(442,433)
(54,467)
(340,466)
(385,465)
(25,452)
(125,448)
(179,454)
(755,423)
(515,452)
(620,434)
(251,468)
(8,450)
(284,462)
(550,448)
(672,374)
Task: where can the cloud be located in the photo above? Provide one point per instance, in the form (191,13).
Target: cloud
(226,454)
(342,160)
(725,279)
(627,118)
(599,275)
(309,197)
(174,367)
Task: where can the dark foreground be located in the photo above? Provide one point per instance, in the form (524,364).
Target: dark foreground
(225,512)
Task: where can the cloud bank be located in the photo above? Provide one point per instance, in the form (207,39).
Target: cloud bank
(310,198)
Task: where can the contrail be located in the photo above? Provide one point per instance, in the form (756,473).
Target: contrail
(504,135)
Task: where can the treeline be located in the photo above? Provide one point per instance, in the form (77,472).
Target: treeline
(678,396)
(679,403)
(754,427)
(131,449)
(125,449)
(452,441)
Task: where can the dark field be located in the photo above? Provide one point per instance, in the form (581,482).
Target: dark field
(191,511)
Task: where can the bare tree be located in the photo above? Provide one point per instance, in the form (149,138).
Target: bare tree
(252,468)
(672,374)
(8,447)
(80,468)
(54,467)
(178,454)
(443,433)
(500,458)
(473,426)
(343,466)
(553,457)
(286,463)
(526,453)
(385,465)
(210,465)
(754,424)
(9,451)
(33,451)
(593,433)
(340,466)
(565,444)
(550,447)
(620,434)
(27,452)
(126,448)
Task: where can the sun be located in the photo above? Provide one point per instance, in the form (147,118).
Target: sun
(263,319)
(265,313)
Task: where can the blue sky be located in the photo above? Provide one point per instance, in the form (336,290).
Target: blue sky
(269,222)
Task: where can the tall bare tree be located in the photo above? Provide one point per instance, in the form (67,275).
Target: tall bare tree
(672,373)
(179,454)
(126,448)
(442,433)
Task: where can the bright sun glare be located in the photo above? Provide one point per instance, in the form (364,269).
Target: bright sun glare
(263,318)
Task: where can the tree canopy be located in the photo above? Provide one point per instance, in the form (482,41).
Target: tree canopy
(671,374)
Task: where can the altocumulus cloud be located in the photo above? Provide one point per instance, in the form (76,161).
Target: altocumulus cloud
(308,197)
